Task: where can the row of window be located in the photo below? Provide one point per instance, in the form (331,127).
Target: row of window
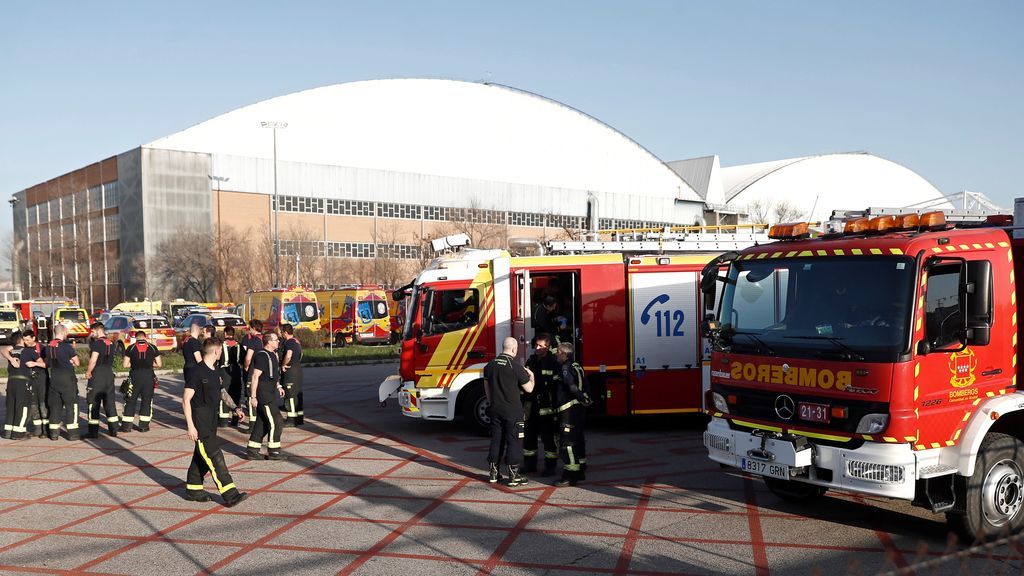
(309,205)
(349,249)
(82,202)
(45,238)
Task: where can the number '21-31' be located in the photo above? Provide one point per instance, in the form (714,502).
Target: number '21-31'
(663,322)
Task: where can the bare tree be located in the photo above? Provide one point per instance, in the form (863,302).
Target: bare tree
(187,264)
(786,211)
(759,210)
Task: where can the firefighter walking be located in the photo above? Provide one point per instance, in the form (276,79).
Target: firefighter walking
(251,344)
(140,359)
(538,409)
(571,400)
(63,394)
(203,393)
(18,391)
(291,377)
(100,387)
(264,391)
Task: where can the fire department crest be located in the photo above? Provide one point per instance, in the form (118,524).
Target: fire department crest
(961,366)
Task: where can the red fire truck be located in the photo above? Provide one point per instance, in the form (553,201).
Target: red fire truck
(633,319)
(879,357)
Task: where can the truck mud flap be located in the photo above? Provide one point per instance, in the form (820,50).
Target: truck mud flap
(389,388)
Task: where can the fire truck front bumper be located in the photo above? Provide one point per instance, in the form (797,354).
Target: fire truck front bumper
(887,470)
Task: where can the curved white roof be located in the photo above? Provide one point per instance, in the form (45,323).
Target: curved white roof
(817,185)
(440,127)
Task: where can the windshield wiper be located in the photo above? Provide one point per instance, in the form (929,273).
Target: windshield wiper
(753,336)
(835,340)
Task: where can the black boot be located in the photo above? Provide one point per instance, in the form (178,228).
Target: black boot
(126,426)
(275,455)
(74,435)
(143,427)
(289,422)
(233,497)
(549,467)
(569,478)
(112,429)
(300,420)
(515,478)
(94,431)
(251,455)
(495,475)
(197,496)
(583,471)
(529,464)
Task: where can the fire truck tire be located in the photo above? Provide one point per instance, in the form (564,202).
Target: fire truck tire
(474,408)
(119,348)
(792,491)
(339,340)
(993,496)
(394,338)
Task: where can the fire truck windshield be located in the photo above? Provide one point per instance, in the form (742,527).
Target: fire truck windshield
(849,308)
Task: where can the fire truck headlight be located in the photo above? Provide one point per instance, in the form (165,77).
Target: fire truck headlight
(720,404)
(873,424)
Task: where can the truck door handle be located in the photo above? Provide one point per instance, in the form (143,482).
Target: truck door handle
(476,353)
(424,348)
(992,372)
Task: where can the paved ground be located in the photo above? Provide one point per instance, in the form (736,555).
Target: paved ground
(368,491)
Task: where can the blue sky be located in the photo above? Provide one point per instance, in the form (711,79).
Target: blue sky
(936,86)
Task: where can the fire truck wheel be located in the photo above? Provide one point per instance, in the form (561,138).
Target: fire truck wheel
(339,340)
(994,495)
(792,491)
(474,408)
(119,348)
(394,338)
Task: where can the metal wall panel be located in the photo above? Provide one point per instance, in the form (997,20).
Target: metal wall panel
(131,224)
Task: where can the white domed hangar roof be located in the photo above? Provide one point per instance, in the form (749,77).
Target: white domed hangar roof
(814,186)
(444,128)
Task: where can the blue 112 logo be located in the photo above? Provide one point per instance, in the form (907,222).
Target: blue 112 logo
(666,322)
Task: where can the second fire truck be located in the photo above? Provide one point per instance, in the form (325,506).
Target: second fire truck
(630,307)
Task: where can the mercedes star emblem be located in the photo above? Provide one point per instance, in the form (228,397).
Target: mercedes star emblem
(785,407)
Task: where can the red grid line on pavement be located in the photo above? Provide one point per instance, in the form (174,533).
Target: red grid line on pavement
(635,526)
(892,553)
(513,534)
(398,531)
(274,534)
(161,533)
(756,535)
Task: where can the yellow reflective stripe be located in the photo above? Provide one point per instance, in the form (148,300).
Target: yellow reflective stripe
(270,436)
(193,486)
(567,405)
(757,426)
(209,464)
(255,445)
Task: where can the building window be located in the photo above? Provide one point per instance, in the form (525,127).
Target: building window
(402,251)
(351,207)
(559,221)
(435,213)
(113,226)
(67,206)
(525,219)
(32,216)
(54,207)
(390,210)
(110,194)
(95,195)
(304,204)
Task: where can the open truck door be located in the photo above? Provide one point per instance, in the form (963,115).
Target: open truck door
(522,308)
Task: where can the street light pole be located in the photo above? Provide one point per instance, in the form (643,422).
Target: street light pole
(277,236)
(220,247)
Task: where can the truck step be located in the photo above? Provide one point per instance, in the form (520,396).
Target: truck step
(937,470)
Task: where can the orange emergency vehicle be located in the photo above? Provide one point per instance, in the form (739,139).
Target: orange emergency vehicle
(632,318)
(879,357)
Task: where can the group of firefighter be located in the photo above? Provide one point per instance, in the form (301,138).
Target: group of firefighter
(544,400)
(227,383)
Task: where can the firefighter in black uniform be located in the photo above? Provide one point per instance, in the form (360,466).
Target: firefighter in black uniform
(231,363)
(32,356)
(291,377)
(100,388)
(251,344)
(538,408)
(204,391)
(505,379)
(63,395)
(571,400)
(18,390)
(140,359)
(265,390)
(191,349)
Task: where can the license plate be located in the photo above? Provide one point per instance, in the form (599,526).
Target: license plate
(813,412)
(762,468)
